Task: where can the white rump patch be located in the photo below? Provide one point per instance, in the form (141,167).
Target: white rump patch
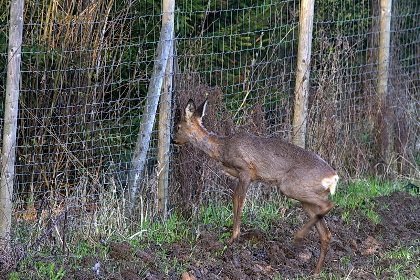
(330,183)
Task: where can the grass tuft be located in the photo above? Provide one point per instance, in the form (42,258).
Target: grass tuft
(359,195)
(174,229)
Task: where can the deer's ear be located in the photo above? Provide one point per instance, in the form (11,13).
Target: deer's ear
(202,109)
(189,109)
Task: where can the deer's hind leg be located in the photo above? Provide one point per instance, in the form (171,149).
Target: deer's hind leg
(318,209)
(319,203)
(307,195)
(324,235)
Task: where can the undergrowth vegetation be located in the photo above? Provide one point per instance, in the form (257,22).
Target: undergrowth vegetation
(354,200)
(359,194)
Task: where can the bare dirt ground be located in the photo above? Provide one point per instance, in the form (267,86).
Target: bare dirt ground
(357,250)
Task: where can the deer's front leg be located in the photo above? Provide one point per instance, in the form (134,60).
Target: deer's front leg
(239,195)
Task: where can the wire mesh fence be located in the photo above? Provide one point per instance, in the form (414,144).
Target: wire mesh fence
(86,68)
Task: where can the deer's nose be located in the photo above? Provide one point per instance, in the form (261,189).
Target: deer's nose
(174,142)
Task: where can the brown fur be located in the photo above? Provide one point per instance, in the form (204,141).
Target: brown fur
(300,174)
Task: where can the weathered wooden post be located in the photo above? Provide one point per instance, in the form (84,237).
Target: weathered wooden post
(149,114)
(7,167)
(165,118)
(384,120)
(300,113)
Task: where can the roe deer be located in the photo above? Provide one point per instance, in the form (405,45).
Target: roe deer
(300,174)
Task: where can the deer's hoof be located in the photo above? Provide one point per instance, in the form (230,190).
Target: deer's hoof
(232,240)
(298,240)
(317,271)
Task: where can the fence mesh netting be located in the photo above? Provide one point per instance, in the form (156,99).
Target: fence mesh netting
(86,66)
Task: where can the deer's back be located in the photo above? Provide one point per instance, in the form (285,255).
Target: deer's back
(273,159)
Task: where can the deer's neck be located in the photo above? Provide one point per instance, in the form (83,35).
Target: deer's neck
(208,142)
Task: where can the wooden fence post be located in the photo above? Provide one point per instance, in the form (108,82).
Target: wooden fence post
(384,119)
(149,114)
(165,118)
(7,166)
(302,72)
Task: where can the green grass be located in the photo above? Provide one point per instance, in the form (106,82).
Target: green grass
(263,216)
(403,261)
(30,269)
(359,195)
(174,229)
(217,214)
(49,271)
(84,248)
(405,254)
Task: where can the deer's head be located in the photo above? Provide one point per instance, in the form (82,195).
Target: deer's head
(190,126)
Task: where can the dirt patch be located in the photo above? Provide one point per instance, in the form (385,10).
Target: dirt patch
(400,215)
(354,247)
(120,251)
